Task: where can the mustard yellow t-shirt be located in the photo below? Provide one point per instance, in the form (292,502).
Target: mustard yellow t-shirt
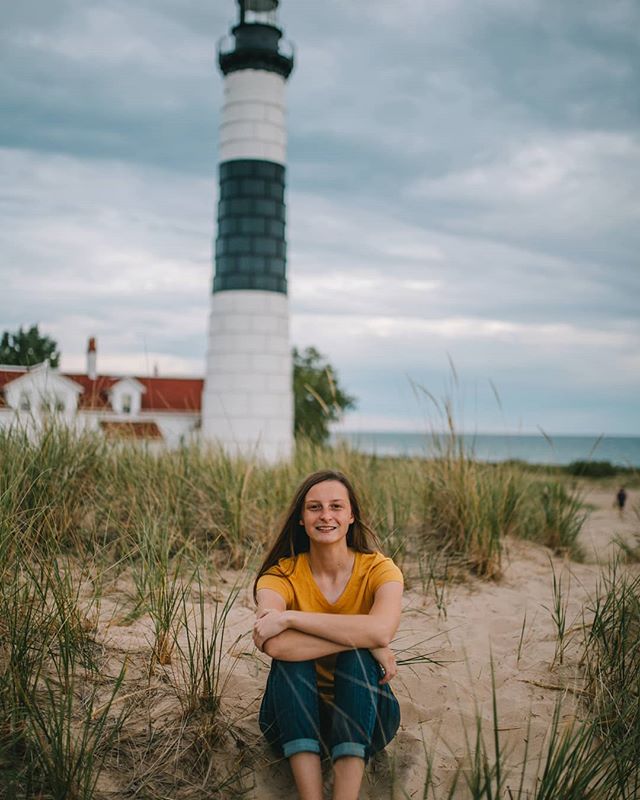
(293,580)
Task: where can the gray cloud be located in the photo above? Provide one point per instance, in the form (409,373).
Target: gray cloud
(462,180)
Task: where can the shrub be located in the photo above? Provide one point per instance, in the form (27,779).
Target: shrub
(592,469)
(554,516)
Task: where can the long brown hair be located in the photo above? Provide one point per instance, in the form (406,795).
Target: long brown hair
(293,538)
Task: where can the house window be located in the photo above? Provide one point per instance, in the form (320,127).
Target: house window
(24,404)
(59,405)
(127,401)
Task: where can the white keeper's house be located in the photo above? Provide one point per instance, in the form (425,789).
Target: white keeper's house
(155,409)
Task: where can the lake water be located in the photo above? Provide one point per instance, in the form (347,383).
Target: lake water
(534,449)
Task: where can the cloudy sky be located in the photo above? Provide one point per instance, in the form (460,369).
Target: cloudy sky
(463,188)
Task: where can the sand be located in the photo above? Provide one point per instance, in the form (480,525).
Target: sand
(605,524)
(507,624)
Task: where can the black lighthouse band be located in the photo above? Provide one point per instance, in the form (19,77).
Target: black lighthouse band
(250,245)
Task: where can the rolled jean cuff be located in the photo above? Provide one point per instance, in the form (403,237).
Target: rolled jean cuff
(348,749)
(300,746)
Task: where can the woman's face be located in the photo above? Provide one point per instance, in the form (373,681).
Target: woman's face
(326,512)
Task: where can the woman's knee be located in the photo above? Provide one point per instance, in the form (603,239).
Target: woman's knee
(292,682)
(358,662)
(293,673)
(293,667)
(360,656)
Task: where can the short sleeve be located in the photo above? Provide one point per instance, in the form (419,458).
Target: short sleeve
(384,571)
(278,583)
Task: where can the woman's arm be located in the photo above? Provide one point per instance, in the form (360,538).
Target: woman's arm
(295,646)
(290,645)
(375,629)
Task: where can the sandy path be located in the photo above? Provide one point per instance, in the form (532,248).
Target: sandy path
(605,523)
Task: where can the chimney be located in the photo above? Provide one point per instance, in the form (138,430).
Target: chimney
(91,359)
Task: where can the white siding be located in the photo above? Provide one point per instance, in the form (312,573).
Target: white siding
(253,117)
(248,396)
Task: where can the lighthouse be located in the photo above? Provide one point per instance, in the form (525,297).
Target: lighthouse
(247,404)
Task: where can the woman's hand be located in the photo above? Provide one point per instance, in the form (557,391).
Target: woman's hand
(387,660)
(270,622)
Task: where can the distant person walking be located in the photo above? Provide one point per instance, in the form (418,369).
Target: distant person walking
(621,499)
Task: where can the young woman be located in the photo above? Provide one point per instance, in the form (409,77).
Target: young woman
(328,606)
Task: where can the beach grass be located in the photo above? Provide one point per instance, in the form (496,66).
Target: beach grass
(612,662)
(77,515)
(75,493)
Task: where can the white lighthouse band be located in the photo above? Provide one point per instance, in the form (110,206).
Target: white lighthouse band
(248,399)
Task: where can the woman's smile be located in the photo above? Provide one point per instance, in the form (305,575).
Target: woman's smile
(327,513)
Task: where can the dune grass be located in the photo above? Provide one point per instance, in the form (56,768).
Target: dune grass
(56,725)
(77,514)
(75,493)
(612,660)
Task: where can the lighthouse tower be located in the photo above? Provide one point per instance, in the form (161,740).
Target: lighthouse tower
(247,398)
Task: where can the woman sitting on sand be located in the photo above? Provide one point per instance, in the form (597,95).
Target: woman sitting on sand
(328,606)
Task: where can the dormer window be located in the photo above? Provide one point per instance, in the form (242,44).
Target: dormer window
(125,396)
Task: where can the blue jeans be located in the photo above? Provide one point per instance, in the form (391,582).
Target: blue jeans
(363,719)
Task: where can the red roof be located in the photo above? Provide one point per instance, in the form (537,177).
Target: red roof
(95,395)
(172,394)
(6,376)
(163,394)
(130,430)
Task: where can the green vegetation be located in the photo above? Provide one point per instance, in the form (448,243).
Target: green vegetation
(612,658)
(603,471)
(318,397)
(558,611)
(553,513)
(26,348)
(563,516)
(81,521)
(56,726)
(76,494)
(592,469)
